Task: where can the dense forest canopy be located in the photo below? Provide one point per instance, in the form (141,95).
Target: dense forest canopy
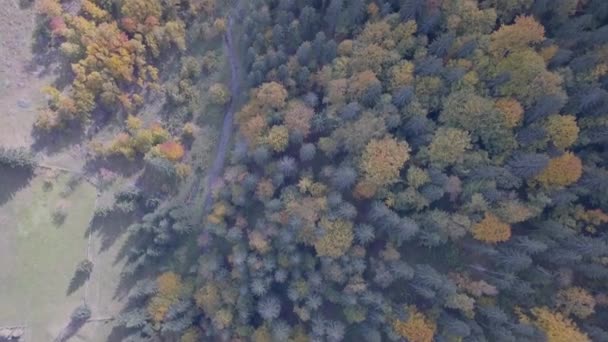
(419,170)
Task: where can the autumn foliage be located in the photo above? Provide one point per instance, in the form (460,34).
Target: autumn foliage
(556,327)
(512,110)
(383,159)
(575,301)
(297,117)
(525,31)
(562,130)
(561,171)
(337,238)
(417,328)
(169,286)
(491,230)
(171,150)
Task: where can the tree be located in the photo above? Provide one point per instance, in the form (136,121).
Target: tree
(402,75)
(208,298)
(575,301)
(307,152)
(17,158)
(360,83)
(169,287)
(171,150)
(562,130)
(278,138)
(141,10)
(193,334)
(556,327)
(448,145)
(529,79)
(336,239)
(269,308)
(220,95)
(297,118)
(512,110)
(50,8)
(491,230)
(417,328)
(561,171)
(509,38)
(383,159)
(466,110)
(527,165)
(271,95)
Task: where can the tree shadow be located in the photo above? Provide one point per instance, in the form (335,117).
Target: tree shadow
(126,282)
(77,321)
(118,164)
(79,279)
(54,142)
(110,227)
(11,181)
(120,333)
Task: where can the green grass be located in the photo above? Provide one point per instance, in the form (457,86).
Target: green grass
(40,257)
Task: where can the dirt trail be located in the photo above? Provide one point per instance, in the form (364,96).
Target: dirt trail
(227,127)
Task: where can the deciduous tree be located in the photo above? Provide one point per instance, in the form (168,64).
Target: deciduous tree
(383,159)
(561,171)
(491,229)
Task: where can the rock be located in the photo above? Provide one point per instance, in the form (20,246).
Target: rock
(23,103)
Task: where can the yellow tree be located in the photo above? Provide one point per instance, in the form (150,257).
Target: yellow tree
(337,238)
(417,328)
(271,95)
(512,110)
(383,159)
(140,10)
(491,229)
(278,138)
(208,298)
(521,34)
(576,301)
(219,93)
(401,75)
(556,327)
(561,171)
(169,287)
(562,130)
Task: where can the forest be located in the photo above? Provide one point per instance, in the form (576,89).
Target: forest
(400,170)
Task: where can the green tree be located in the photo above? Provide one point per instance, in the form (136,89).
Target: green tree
(448,146)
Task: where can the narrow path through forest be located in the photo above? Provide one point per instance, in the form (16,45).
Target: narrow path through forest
(227,127)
